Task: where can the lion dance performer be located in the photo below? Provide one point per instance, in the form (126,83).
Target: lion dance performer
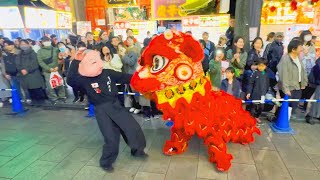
(171,74)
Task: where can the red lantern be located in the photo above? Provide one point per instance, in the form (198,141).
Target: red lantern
(294,5)
(273,9)
(314,1)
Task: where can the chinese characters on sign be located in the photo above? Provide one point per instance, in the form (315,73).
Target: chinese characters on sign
(166,8)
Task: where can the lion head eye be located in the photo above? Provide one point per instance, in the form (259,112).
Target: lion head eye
(158,63)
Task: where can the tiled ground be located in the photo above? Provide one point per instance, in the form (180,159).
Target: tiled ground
(61,145)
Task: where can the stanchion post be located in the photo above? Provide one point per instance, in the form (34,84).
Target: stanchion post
(91,111)
(282,124)
(17,106)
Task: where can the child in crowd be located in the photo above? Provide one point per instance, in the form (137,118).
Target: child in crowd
(231,85)
(258,87)
(216,69)
(245,81)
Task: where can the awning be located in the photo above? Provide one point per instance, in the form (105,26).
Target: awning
(33,3)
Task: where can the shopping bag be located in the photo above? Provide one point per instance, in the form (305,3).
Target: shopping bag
(127,98)
(55,80)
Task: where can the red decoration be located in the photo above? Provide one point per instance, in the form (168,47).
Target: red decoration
(215,116)
(314,1)
(294,5)
(273,9)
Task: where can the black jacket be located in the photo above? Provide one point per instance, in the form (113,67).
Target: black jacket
(258,85)
(316,72)
(252,56)
(230,35)
(102,88)
(73,75)
(9,60)
(205,63)
(235,87)
(275,54)
(92,46)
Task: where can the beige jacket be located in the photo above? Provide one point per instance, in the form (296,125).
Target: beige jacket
(289,74)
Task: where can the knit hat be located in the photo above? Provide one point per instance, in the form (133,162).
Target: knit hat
(8,42)
(45,38)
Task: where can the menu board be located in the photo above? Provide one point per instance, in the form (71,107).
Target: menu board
(13,20)
(40,18)
(64,20)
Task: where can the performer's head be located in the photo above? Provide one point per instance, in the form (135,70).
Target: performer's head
(91,65)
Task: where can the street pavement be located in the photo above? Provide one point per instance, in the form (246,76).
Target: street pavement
(64,144)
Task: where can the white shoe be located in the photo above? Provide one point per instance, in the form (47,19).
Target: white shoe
(137,111)
(28,101)
(10,100)
(132,110)
(1,104)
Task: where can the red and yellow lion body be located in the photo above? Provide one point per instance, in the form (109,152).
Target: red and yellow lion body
(171,74)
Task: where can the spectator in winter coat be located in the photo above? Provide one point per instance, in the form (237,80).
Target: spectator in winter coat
(10,66)
(258,87)
(292,76)
(209,47)
(4,84)
(237,56)
(48,61)
(205,61)
(216,70)
(91,43)
(30,75)
(231,85)
(275,52)
(131,57)
(314,107)
(254,53)
(230,32)
(73,74)
(104,40)
(270,39)
(110,60)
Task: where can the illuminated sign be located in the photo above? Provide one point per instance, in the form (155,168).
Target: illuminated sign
(40,18)
(13,20)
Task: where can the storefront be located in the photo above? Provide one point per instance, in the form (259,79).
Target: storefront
(290,17)
(43,21)
(215,25)
(194,16)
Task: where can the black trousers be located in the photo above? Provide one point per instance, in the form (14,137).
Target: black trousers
(113,120)
(78,92)
(306,94)
(256,110)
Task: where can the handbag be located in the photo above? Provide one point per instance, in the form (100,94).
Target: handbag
(50,59)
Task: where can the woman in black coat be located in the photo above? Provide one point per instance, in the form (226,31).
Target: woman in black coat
(29,72)
(254,53)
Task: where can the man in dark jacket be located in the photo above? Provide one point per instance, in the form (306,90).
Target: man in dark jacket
(209,47)
(275,52)
(91,43)
(230,32)
(10,65)
(104,40)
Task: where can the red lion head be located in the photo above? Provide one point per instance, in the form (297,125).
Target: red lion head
(171,58)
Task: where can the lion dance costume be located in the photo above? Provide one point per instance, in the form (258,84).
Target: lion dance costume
(171,74)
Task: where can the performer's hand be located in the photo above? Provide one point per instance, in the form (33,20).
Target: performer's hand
(24,72)
(303,87)
(248,96)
